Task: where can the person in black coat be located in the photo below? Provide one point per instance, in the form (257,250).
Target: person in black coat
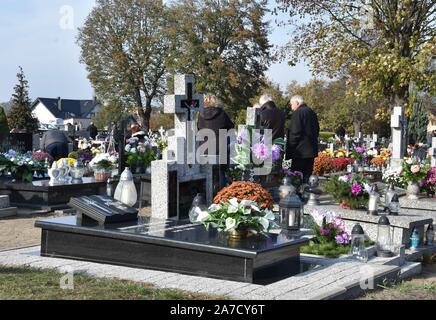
(213,117)
(92,130)
(302,143)
(272,117)
(340,132)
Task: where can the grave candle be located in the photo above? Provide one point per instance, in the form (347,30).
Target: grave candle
(374,198)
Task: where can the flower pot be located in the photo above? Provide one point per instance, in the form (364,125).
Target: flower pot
(413,190)
(102,175)
(238,234)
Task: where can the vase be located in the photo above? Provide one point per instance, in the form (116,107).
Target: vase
(413,190)
(102,175)
(238,234)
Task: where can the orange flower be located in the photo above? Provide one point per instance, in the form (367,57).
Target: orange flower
(244,190)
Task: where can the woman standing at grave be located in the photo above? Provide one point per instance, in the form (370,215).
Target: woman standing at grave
(213,117)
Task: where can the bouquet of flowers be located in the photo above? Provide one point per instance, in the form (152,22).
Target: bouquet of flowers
(296,177)
(70,162)
(329,227)
(139,154)
(103,161)
(414,170)
(378,161)
(393,176)
(351,191)
(331,239)
(84,155)
(21,166)
(42,156)
(358,153)
(323,164)
(430,182)
(238,215)
(340,164)
(251,155)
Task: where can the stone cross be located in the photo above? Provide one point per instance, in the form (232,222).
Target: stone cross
(185,104)
(177,178)
(432,152)
(398,136)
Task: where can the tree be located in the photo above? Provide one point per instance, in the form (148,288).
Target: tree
(382,45)
(418,122)
(111,112)
(4,127)
(124,47)
(224,43)
(20,115)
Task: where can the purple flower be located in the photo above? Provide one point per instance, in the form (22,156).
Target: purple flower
(360,150)
(339,239)
(356,189)
(260,151)
(276,152)
(241,136)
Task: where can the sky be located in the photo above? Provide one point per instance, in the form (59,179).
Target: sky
(40,36)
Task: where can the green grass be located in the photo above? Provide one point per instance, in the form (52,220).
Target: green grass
(33,284)
(329,249)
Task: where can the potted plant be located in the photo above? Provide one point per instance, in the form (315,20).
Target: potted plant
(351,191)
(414,173)
(323,164)
(102,166)
(238,217)
(21,166)
(139,155)
(430,182)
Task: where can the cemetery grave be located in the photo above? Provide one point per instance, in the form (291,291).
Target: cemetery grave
(177,244)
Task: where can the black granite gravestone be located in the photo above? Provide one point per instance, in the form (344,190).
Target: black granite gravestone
(175,246)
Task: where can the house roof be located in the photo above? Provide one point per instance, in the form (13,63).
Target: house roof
(68,108)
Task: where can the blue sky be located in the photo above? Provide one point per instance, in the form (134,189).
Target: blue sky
(33,35)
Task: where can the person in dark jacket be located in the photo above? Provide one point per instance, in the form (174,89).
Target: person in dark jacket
(302,143)
(92,130)
(213,117)
(55,142)
(272,117)
(340,132)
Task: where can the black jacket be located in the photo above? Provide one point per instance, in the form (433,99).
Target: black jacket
(92,130)
(273,118)
(214,119)
(303,134)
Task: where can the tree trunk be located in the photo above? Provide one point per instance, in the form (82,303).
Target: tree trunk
(357,123)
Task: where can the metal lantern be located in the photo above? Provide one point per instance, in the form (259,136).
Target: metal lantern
(198,204)
(357,247)
(374,198)
(291,210)
(126,190)
(314,191)
(394,205)
(384,238)
(429,235)
(414,239)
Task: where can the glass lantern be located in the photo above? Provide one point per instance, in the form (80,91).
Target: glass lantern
(291,210)
(198,205)
(389,194)
(429,235)
(394,205)
(77,171)
(286,187)
(414,239)
(384,238)
(357,247)
(374,198)
(126,190)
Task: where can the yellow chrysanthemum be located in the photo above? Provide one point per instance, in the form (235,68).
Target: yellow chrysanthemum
(71,162)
